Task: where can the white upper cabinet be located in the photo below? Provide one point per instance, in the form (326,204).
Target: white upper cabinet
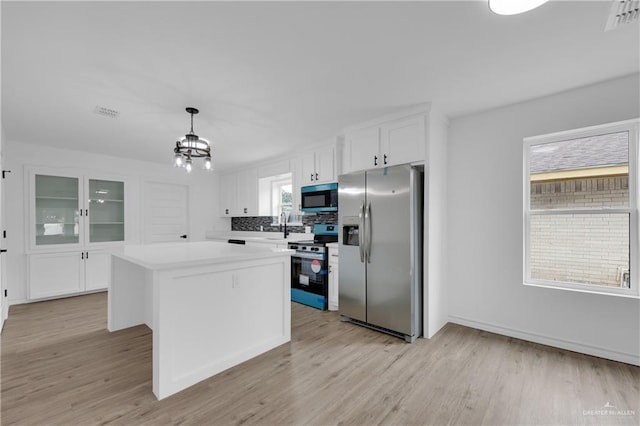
(318,166)
(402,141)
(228,194)
(248,193)
(362,149)
(71,211)
(389,143)
(239,193)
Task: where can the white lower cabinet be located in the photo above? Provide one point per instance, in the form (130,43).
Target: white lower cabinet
(97,270)
(333,279)
(67,273)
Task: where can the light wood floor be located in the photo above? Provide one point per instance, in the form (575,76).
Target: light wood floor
(61,366)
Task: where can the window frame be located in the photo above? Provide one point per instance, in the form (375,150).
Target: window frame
(631,126)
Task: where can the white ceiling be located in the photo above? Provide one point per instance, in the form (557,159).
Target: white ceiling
(270,78)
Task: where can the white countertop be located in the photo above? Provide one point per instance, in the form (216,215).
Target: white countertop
(332,245)
(179,255)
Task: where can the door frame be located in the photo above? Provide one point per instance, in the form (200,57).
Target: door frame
(4,301)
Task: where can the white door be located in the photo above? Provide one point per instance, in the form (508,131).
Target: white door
(166,212)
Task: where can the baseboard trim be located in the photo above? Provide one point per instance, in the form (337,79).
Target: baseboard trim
(600,352)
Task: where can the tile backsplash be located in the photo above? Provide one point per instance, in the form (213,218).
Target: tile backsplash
(254,223)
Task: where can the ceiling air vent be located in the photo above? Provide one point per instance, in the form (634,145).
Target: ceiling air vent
(107,112)
(623,12)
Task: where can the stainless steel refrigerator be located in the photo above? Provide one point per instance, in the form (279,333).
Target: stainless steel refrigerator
(380,246)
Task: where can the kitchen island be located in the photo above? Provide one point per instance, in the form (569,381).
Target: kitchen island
(211,305)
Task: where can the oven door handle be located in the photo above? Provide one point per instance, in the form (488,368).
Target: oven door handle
(319,256)
(361,231)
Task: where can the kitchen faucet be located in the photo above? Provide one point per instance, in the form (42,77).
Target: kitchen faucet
(283,220)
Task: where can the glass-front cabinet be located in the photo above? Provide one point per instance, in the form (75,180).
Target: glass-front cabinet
(106,211)
(75,211)
(74,217)
(57,210)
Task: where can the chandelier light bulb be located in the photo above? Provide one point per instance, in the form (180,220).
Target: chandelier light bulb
(207,164)
(188,165)
(178,160)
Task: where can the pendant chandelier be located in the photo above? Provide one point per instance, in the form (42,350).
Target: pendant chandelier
(192,146)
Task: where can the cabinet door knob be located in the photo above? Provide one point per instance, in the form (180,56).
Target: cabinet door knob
(184,236)
(375,160)
(385,159)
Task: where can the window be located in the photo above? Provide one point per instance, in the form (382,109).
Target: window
(581,209)
(282,197)
(276,197)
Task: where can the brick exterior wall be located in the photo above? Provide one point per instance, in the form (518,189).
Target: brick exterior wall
(580,248)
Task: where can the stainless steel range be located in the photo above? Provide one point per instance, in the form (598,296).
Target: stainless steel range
(309,267)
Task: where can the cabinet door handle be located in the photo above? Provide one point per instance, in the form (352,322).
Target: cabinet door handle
(87,255)
(82,256)
(183,236)
(311,177)
(86,212)
(245,210)
(385,159)
(375,160)
(80,212)
(226,211)
(316,176)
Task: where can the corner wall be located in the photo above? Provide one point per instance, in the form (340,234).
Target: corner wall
(485,227)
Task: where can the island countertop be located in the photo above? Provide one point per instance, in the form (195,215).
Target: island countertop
(176,255)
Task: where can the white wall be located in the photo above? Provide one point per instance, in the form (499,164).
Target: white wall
(485,227)
(203,197)
(435,260)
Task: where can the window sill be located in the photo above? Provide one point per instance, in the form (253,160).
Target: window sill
(628,294)
(289,224)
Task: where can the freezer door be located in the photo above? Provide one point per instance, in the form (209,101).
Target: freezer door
(351,269)
(389,271)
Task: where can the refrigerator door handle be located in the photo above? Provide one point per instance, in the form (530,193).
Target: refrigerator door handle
(361,241)
(367,232)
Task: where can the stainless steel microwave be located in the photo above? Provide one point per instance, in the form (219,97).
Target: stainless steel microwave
(319,198)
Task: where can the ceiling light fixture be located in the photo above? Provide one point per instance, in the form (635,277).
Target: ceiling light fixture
(192,146)
(513,7)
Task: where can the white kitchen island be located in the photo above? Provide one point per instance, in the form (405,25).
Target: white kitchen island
(211,305)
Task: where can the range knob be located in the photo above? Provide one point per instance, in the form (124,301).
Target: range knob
(292,247)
